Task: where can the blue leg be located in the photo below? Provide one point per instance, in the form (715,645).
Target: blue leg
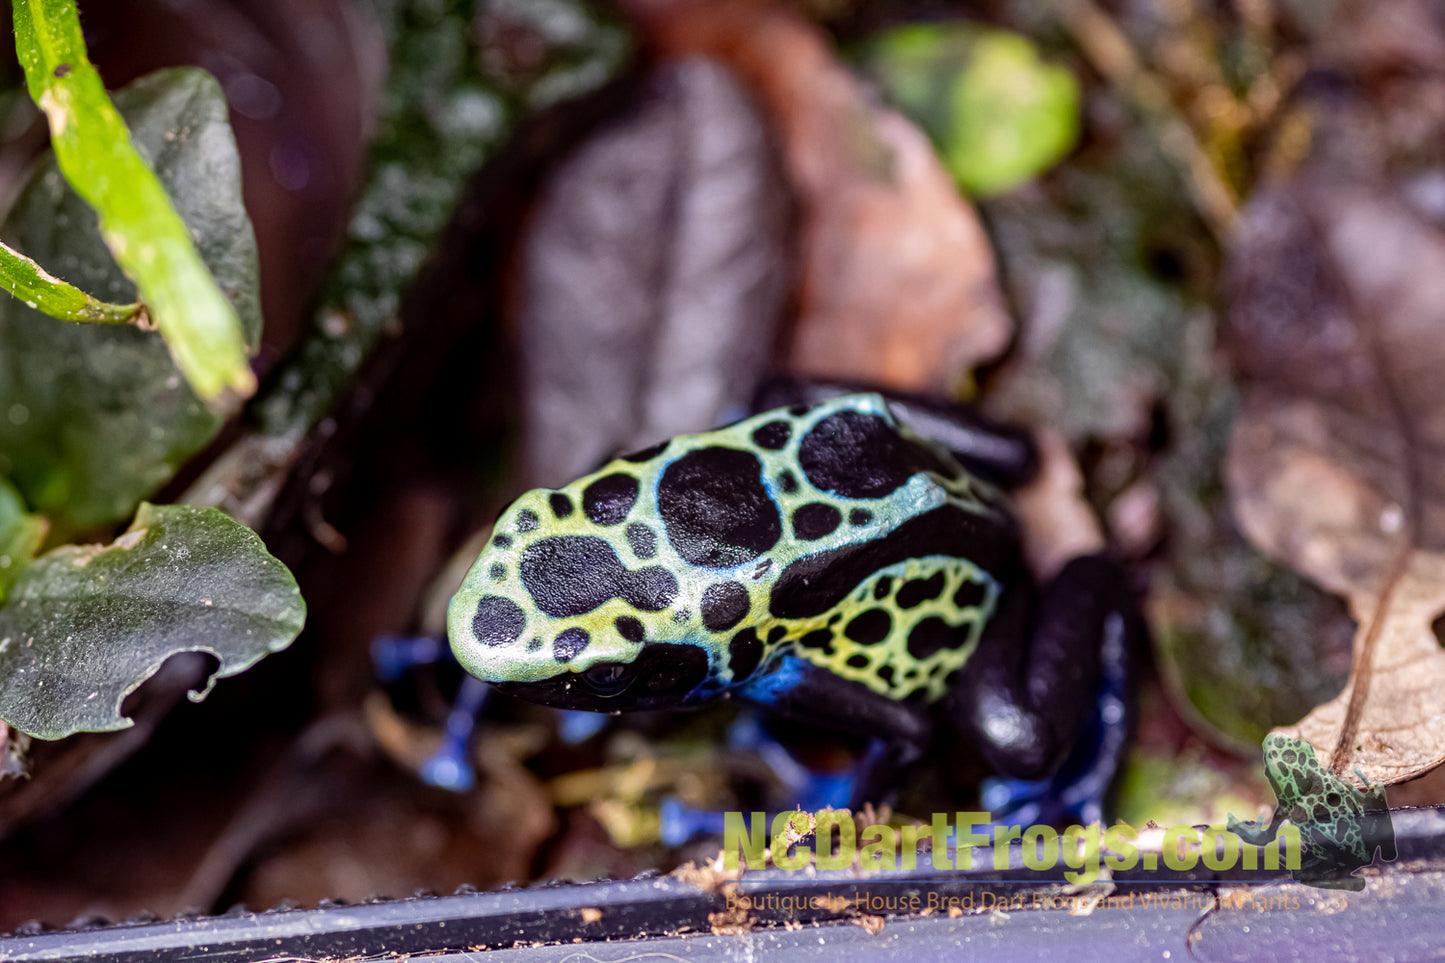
(575,726)
(806,788)
(394,656)
(449,767)
(680,822)
(898,731)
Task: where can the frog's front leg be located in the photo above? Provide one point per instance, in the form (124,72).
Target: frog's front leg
(898,731)
(1257,833)
(1045,691)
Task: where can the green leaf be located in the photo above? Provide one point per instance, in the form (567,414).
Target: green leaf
(39,289)
(997,113)
(20,536)
(144,232)
(94,418)
(86,625)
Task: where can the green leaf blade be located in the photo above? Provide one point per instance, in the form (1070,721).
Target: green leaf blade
(20,536)
(139,223)
(86,625)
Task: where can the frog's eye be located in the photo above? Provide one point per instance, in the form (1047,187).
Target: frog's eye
(608,679)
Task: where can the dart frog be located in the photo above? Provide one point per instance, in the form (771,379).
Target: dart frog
(1340,826)
(826,561)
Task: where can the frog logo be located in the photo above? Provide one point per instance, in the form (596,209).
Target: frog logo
(1341,827)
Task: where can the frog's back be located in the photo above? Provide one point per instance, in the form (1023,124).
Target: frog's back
(831,532)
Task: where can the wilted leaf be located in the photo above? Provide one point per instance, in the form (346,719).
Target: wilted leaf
(86,625)
(898,282)
(1337,459)
(93,418)
(654,275)
(998,114)
(20,536)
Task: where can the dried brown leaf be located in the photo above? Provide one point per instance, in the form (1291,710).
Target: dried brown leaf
(1058,522)
(654,274)
(899,285)
(1337,464)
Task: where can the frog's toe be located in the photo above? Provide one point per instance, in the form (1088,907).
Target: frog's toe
(448,769)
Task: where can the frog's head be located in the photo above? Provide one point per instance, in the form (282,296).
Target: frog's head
(581,600)
(672,575)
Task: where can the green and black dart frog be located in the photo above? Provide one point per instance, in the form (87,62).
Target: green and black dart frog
(826,562)
(1340,826)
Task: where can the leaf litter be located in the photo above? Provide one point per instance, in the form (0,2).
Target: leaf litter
(1336,456)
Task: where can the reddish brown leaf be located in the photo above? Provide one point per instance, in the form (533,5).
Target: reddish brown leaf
(899,284)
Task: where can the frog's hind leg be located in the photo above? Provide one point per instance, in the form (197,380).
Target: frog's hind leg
(802,787)
(898,730)
(1048,708)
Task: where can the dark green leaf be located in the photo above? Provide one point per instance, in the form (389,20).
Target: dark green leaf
(20,536)
(86,625)
(93,418)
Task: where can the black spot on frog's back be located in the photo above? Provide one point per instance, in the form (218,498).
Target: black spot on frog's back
(608,500)
(569,644)
(814,584)
(816,520)
(857,455)
(745,651)
(773,435)
(574,574)
(716,509)
(642,541)
(630,628)
(970,595)
(870,627)
(933,634)
(723,606)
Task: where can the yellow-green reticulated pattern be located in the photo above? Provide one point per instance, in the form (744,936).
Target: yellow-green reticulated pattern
(830,532)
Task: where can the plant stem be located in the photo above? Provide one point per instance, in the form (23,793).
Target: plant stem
(38,288)
(145,234)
